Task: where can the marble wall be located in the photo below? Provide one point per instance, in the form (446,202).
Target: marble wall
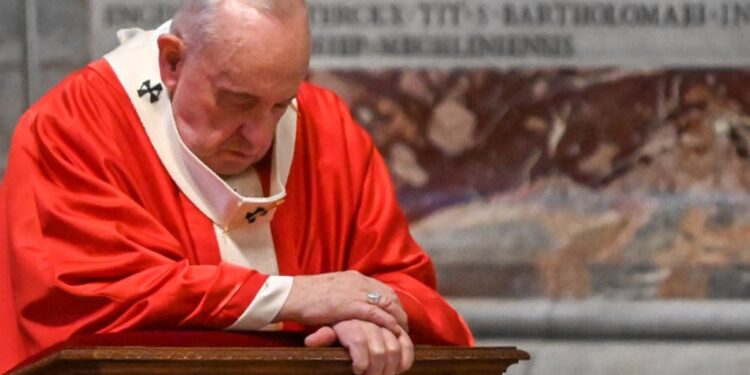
(569,183)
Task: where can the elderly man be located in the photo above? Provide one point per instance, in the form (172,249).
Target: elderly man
(192,180)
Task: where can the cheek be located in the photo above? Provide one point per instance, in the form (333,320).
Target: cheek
(196,124)
(260,136)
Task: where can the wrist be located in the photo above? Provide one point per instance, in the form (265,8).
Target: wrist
(290,310)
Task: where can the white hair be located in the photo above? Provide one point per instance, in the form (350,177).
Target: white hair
(196,20)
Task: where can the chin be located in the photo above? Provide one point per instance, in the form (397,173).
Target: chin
(230,167)
(231,170)
(231,163)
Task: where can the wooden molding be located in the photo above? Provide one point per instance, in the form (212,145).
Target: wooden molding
(331,361)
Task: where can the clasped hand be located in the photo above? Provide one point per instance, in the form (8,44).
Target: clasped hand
(375,334)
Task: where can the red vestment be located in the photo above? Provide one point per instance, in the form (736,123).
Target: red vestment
(95,236)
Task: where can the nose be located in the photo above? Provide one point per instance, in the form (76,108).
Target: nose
(259,128)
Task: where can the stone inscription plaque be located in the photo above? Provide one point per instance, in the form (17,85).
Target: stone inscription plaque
(491,33)
(108,16)
(524,33)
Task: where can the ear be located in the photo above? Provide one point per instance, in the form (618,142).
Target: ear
(171,59)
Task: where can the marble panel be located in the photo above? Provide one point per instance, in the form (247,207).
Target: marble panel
(613,183)
(507,280)
(730,282)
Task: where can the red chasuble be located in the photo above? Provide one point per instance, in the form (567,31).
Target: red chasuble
(96,237)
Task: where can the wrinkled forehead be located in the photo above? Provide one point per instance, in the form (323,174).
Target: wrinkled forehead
(242,30)
(264,69)
(269,41)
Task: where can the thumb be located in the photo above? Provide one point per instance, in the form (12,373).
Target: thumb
(325,336)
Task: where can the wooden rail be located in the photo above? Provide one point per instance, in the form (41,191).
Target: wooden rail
(80,358)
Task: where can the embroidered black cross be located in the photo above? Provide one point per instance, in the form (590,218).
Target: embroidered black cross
(251,217)
(155,91)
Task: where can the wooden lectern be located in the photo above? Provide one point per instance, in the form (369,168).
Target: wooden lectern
(229,353)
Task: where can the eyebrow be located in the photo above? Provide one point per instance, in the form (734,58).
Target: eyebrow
(227,91)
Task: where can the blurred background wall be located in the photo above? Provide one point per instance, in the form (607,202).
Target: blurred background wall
(578,170)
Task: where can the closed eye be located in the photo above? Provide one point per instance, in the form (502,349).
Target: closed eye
(236,100)
(283,105)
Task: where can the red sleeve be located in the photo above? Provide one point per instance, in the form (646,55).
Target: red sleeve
(86,255)
(382,247)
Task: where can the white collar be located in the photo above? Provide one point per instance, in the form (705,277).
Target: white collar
(136,64)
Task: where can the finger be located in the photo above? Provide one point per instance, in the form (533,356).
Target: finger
(325,336)
(354,339)
(407,353)
(392,352)
(374,314)
(392,305)
(376,345)
(390,302)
